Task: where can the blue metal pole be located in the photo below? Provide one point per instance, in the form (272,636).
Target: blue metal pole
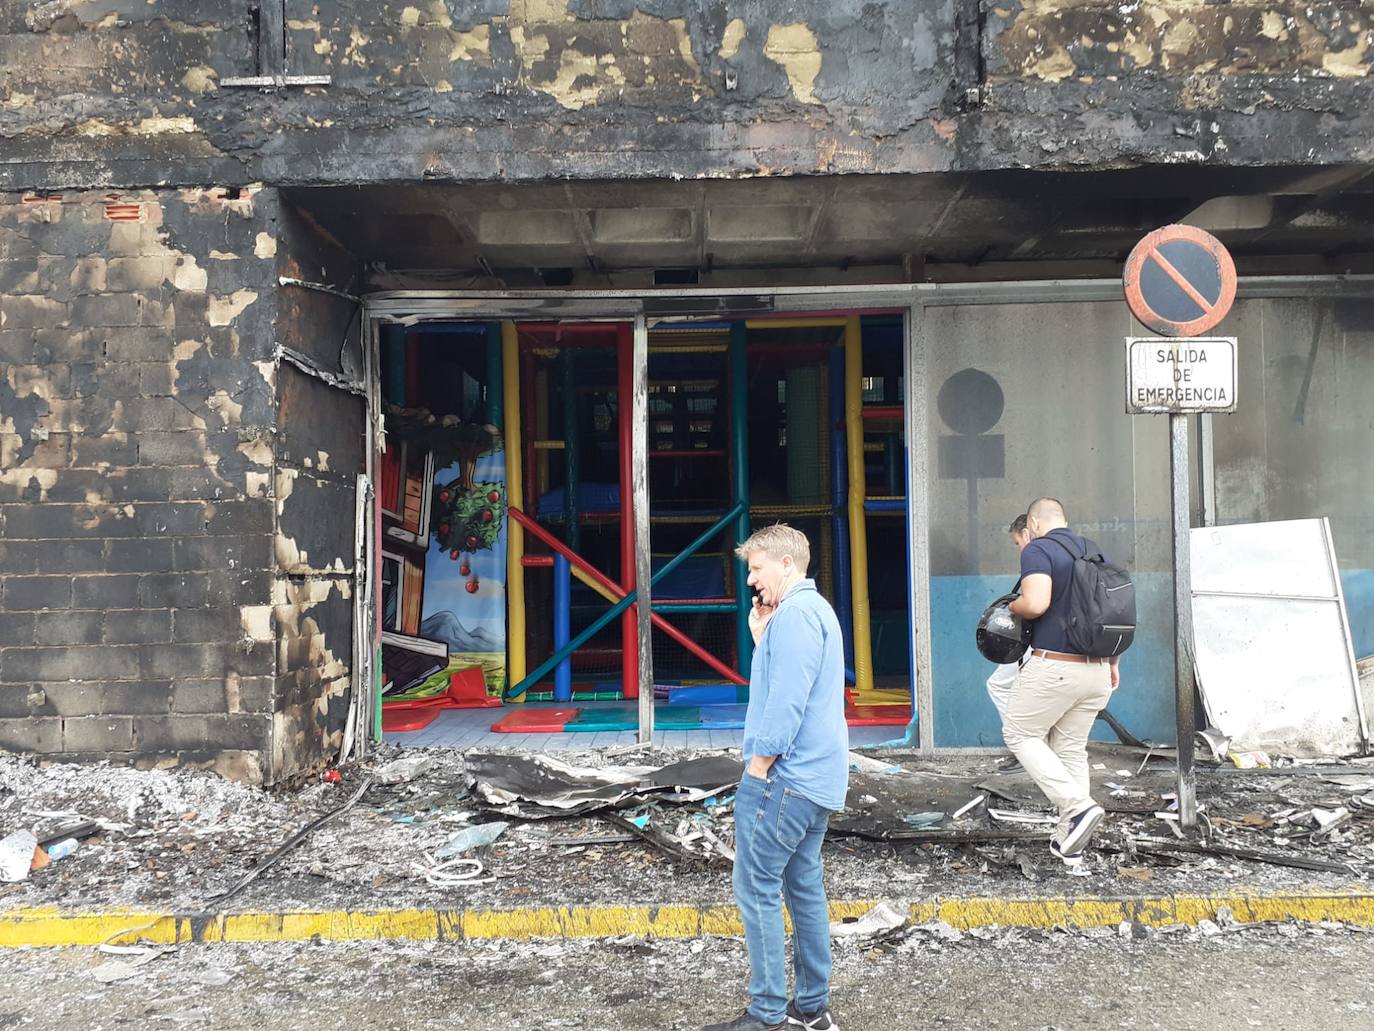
(571,471)
(739,467)
(562,626)
(839,493)
(891,449)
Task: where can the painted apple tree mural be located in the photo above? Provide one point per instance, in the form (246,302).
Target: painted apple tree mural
(466,513)
(467,520)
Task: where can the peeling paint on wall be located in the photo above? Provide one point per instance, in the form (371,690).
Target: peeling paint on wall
(732,39)
(314,679)
(796,48)
(224,310)
(1056,39)
(120,468)
(580,62)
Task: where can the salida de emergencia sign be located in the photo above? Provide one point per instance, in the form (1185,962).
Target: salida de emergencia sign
(1180,375)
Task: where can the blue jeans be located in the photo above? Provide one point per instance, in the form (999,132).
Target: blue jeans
(778,836)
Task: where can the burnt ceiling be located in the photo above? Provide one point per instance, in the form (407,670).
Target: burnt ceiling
(549,233)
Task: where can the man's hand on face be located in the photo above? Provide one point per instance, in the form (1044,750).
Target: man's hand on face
(759,616)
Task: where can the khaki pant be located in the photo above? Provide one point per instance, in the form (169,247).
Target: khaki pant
(1049,716)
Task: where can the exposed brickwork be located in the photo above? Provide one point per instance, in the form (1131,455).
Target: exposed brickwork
(137,410)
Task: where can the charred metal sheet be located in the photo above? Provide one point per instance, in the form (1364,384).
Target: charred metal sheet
(322,426)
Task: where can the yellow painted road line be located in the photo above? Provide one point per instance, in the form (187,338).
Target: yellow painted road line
(55,927)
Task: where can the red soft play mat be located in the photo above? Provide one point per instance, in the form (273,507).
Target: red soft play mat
(399,717)
(529,720)
(877,715)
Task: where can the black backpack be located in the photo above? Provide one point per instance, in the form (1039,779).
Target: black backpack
(1100,617)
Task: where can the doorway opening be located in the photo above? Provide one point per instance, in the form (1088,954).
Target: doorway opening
(508,543)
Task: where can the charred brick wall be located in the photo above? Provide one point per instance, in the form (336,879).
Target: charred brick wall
(320,444)
(137,407)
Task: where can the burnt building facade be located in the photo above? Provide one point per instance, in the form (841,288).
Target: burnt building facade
(200,204)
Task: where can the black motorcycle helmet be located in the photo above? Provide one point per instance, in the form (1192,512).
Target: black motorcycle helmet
(1002,636)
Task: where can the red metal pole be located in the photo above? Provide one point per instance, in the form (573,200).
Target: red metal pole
(527,402)
(611,587)
(629,631)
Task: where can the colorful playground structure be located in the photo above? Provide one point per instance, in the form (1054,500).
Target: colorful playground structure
(749,421)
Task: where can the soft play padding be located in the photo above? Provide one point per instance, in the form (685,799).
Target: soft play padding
(626,717)
(590,721)
(403,720)
(703,694)
(723,717)
(591,498)
(878,715)
(527,719)
(467,689)
(694,578)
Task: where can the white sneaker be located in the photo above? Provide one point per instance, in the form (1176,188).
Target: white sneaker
(1080,829)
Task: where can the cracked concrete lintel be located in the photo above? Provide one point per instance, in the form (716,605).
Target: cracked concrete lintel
(1238,121)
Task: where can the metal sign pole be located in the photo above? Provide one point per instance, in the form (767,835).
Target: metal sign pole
(643,566)
(1183,622)
(1180,281)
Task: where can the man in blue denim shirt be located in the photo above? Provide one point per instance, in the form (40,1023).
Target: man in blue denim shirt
(796,754)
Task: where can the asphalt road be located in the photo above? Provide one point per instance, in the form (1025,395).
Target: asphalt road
(1272,979)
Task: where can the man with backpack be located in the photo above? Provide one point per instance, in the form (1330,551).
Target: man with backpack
(1084,612)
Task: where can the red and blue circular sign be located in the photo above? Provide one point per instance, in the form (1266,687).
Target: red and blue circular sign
(1180,281)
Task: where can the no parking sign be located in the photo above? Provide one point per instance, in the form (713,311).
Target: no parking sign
(1180,281)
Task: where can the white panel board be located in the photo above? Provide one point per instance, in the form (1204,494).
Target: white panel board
(1275,667)
(1365,668)
(1288,557)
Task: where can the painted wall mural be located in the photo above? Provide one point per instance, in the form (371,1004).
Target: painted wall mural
(465,567)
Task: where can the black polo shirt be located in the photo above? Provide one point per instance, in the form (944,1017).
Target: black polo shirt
(1043,555)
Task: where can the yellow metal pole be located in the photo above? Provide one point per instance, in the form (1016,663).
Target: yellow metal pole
(515,533)
(587,579)
(858,531)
